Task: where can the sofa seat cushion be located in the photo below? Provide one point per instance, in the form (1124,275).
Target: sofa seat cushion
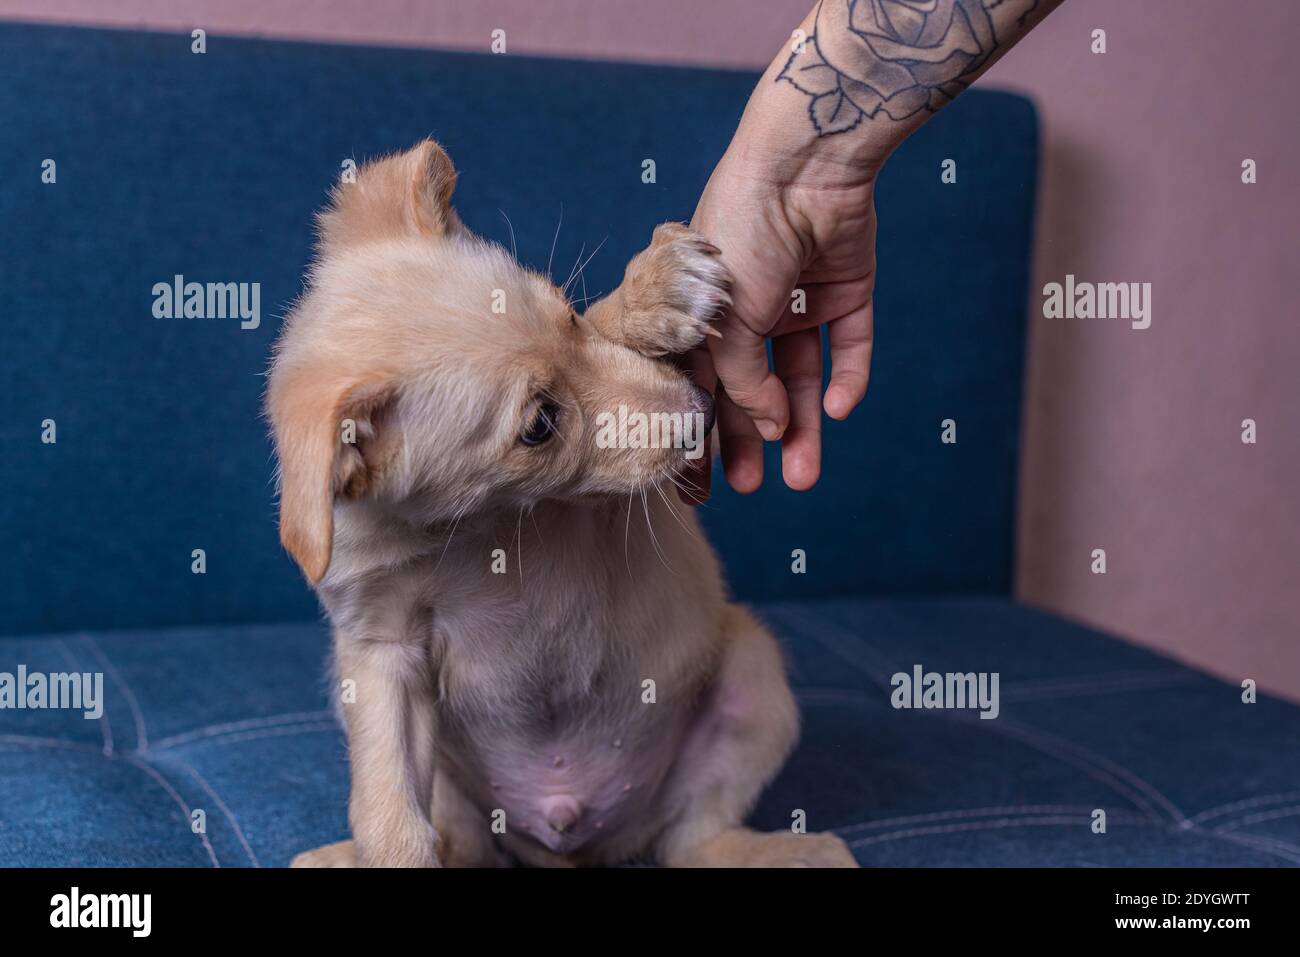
(234,721)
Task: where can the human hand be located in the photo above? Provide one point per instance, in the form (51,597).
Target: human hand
(790,206)
(799,240)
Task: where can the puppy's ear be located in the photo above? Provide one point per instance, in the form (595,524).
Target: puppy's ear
(405,194)
(330,441)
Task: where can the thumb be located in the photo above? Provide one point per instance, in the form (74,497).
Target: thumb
(740,359)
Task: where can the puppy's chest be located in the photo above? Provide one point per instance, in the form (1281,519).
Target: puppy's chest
(500,664)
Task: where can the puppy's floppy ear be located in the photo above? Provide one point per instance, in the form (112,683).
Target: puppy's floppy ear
(405,194)
(329,441)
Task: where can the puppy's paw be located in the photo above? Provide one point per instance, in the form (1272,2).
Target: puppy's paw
(807,850)
(410,854)
(745,848)
(342,854)
(672,292)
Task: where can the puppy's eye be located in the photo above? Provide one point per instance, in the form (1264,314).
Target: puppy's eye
(543,425)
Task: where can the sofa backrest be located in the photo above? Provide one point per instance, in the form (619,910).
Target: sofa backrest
(210,167)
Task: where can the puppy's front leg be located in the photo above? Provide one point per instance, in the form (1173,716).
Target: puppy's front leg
(390,740)
(670,294)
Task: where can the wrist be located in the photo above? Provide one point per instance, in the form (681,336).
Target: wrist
(777,142)
(780,139)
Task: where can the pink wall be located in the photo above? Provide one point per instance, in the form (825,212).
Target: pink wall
(741,33)
(1132,437)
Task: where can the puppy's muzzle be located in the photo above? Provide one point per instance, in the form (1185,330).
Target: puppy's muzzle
(702,403)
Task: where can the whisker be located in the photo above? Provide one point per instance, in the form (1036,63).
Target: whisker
(519,548)
(550,259)
(585,263)
(627,525)
(514,250)
(645,507)
(565,288)
(452,534)
(694,491)
(673,512)
(681,481)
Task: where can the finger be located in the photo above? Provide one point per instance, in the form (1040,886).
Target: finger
(696,480)
(797,359)
(851,339)
(740,358)
(742,446)
(821,303)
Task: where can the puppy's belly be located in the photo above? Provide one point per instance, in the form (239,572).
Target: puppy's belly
(570,793)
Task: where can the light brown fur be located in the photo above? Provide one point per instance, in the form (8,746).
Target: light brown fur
(477,701)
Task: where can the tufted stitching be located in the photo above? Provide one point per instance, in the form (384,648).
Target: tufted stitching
(1248,802)
(1105,769)
(283,730)
(857,652)
(1281,849)
(20,741)
(1102,683)
(28,741)
(105,727)
(141,737)
(1259,818)
(860,655)
(1276,848)
(1090,764)
(227,727)
(1023,810)
(154,773)
(229,732)
(1036,740)
(31,741)
(230,816)
(1026,821)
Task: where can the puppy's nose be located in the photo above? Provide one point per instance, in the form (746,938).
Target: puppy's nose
(702,402)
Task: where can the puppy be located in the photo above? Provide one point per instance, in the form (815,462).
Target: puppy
(535,657)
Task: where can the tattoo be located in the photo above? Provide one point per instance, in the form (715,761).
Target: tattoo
(1025,11)
(898,57)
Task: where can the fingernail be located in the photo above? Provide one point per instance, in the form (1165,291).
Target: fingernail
(768,430)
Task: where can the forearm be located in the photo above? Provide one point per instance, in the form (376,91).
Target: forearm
(859,76)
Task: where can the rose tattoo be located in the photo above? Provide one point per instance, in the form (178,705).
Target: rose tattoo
(899,56)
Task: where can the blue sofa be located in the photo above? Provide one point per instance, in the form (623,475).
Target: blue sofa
(209,166)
